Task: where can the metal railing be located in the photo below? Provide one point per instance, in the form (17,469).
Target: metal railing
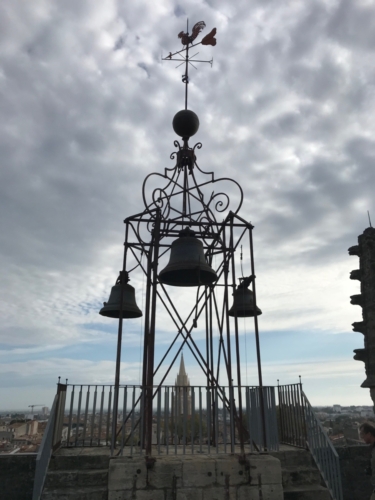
(292,419)
(188,419)
(300,427)
(253,403)
(323,451)
(51,440)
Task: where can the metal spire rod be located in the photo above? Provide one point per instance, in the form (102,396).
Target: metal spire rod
(186,76)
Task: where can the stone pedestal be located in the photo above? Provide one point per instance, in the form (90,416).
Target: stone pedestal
(196,477)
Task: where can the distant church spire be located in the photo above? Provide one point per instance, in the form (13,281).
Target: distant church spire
(182,380)
(182,366)
(181,396)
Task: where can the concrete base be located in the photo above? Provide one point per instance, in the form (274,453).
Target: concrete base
(198,477)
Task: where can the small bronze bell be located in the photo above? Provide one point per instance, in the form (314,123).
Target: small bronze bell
(243,301)
(187,264)
(111,309)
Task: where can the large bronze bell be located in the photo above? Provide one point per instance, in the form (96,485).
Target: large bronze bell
(111,309)
(243,301)
(187,264)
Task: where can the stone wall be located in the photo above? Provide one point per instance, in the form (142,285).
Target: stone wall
(195,478)
(365,250)
(17,476)
(353,462)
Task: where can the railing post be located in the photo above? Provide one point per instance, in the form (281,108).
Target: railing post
(59,418)
(281,417)
(45,450)
(303,411)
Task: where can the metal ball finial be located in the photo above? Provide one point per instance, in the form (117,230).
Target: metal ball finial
(185,123)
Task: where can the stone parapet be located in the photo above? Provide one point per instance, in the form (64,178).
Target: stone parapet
(17,476)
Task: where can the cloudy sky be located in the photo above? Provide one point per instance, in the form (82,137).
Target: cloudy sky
(86,109)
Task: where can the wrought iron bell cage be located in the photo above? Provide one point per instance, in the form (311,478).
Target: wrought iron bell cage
(184,212)
(202,233)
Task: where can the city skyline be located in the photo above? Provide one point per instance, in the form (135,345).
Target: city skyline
(286,110)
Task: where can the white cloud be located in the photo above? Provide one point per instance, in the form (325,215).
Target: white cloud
(287,110)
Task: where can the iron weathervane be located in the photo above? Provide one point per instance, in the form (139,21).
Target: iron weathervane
(188,41)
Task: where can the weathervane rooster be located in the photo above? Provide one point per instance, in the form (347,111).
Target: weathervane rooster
(197,28)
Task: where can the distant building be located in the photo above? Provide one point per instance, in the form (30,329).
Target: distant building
(337,408)
(29,428)
(74,431)
(45,411)
(5,436)
(22,441)
(366,413)
(181,396)
(42,424)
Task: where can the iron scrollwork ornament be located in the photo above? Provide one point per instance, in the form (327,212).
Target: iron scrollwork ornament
(183,194)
